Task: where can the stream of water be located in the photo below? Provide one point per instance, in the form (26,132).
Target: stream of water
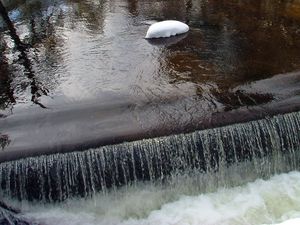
(271,201)
(74,71)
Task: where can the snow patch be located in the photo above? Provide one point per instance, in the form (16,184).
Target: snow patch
(166,28)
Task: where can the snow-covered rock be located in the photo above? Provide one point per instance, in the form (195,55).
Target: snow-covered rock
(166,28)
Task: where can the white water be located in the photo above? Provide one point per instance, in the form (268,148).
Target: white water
(272,201)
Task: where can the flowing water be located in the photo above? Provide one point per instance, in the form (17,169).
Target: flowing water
(81,51)
(269,146)
(158,181)
(271,201)
(83,71)
(73,72)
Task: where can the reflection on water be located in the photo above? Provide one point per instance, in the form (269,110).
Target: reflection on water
(76,50)
(58,53)
(63,52)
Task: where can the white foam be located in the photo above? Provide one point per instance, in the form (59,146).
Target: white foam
(274,201)
(166,28)
(291,222)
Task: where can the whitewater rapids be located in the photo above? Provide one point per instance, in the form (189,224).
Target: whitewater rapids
(272,201)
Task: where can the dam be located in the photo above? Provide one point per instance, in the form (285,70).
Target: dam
(61,176)
(100,126)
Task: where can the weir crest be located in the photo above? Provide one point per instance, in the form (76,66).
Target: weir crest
(270,145)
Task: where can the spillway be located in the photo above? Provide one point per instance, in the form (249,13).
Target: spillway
(100,126)
(269,146)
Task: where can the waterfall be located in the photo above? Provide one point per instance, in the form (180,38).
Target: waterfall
(270,145)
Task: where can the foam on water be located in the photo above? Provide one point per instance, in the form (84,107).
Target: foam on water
(272,201)
(291,222)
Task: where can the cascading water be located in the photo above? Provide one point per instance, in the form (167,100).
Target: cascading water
(71,80)
(262,148)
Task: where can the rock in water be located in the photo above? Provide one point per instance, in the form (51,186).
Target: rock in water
(166,28)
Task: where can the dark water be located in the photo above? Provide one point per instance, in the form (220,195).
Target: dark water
(80,49)
(77,57)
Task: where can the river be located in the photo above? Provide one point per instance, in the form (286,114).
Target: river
(77,74)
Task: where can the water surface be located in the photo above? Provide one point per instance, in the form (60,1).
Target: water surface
(262,202)
(80,51)
(84,67)
(74,71)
